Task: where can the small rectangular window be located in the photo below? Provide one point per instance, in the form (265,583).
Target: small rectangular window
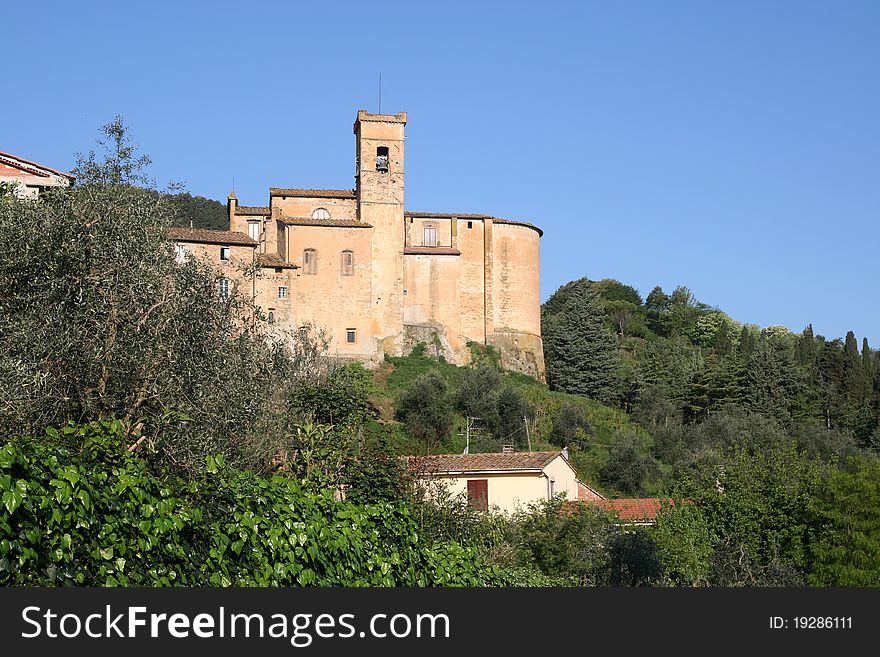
(382,159)
(224,253)
(430,236)
(470,224)
(351,335)
(310,261)
(347,263)
(282,291)
(223,285)
(478,494)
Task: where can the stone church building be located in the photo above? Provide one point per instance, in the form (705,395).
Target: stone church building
(376,278)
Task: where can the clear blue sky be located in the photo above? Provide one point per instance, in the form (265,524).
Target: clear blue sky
(733,147)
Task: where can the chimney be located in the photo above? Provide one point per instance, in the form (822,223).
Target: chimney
(231,205)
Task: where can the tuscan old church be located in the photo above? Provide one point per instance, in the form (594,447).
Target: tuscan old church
(376,278)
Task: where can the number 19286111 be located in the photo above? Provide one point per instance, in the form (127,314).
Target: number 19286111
(811,623)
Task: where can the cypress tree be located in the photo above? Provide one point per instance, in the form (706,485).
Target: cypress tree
(868,362)
(855,381)
(806,347)
(746,343)
(723,343)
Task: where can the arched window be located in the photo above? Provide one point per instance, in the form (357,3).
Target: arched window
(321,213)
(348,263)
(310,261)
(271,317)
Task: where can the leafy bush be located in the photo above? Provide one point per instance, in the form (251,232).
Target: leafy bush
(78,509)
(426,410)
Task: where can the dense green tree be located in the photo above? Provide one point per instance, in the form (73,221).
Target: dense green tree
(633,560)
(684,543)
(563,538)
(855,380)
(426,410)
(746,343)
(761,507)
(868,363)
(656,309)
(98,320)
(513,413)
(724,340)
(579,351)
(610,289)
(570,425)
(773,382)
(198,212)
(477,393)
(629,468)
(848,554)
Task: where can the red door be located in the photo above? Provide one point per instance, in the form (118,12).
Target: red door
(478,494)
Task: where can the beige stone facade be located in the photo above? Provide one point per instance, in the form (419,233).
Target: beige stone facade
(378,279)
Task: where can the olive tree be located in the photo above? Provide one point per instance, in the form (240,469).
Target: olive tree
(98,319)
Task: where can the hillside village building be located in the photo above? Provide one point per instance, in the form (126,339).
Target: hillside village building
(379,279)
(29,179)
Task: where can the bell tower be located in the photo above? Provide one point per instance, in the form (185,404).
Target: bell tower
(379,192)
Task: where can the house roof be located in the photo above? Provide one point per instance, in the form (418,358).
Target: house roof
(32,167)
(467,215)
(207,236)
(642,509)
(312,193)
(431,250)
(253,209)
(274,260)
(500,461)
(330,223)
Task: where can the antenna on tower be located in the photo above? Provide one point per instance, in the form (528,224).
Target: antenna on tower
(380,92)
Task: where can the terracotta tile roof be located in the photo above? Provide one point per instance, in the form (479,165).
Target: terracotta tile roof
(312,193)
(252,209)
(643,509)
(207,236)
(465,215)
(454,463)
(274,260)
(330,223)
(446,215)
(431,250)
(38,169)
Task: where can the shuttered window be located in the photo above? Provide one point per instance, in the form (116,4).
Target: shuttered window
(478,494)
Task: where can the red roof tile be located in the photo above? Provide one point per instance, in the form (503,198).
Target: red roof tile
(207,236)
(253,209)
(455,463)
(643,509)
(274,260)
